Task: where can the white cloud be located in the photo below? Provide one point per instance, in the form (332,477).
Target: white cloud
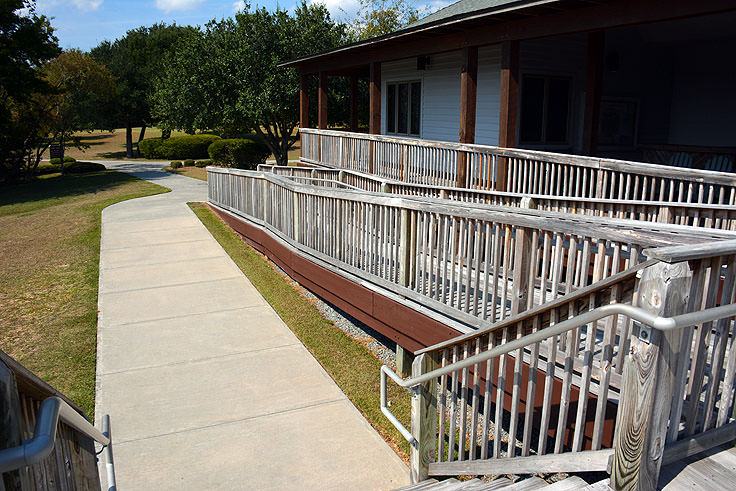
(342,9)
(87,5)
(171,5)
(238,6)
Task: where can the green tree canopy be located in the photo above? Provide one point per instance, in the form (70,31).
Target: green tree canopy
(26,42)
(82,89)
(225,77)
(379,17)
(136,60)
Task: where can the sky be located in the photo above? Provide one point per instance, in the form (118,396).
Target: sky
(85,23)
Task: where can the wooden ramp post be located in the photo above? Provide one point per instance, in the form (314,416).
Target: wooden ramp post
(648,380)
(423,419)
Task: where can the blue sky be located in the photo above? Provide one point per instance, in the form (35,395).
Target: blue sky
(85,23)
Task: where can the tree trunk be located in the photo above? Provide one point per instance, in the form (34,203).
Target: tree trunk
(61,140)
(140,137)
(128,141)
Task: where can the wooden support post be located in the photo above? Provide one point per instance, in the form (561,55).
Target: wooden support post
(648,380)
(374,117)
(404,360)
(374,120)
(322,101)
(353,103)
(468,92)
(423,419)
(11,433)
(304,101)
(509,106)
(594,86)
(522,263)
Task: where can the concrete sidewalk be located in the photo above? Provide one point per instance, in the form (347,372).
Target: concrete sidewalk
(205,385)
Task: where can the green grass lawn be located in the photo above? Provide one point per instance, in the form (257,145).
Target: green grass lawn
(50,245)
(195,172)
(111,144)
(353,366)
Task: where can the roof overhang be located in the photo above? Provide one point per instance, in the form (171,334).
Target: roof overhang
(520,20)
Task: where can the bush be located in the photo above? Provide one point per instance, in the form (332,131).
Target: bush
(203,163)
(241,153)
(82,167)
(189,163)
(44,169)
(55,161)
(148,148)
(69,160)
(175,164)
(177,147)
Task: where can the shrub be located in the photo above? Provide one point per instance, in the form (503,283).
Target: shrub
(203,163)
(189,163)
(148,148)
(69,160)
(82,167)
(241,153)
(55,161)
(177,147)
(176,164)
(44,169)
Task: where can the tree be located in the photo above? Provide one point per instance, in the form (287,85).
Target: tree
(26,41)
(225,76)
(136,61)
(82,90)
(379,17)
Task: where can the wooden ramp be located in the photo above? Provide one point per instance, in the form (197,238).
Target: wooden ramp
(714,470)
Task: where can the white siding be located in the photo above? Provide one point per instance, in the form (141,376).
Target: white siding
(488,103)
(563,56)
(441,94)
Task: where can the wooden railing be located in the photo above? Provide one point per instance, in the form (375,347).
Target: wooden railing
(693,214)
(560,395)
(519,171)
(475,264)
(504,274)
(73,462)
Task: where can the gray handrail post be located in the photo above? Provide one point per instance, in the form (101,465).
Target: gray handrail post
(649,376)
(423,419)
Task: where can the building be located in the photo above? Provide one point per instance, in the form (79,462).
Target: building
(637,80)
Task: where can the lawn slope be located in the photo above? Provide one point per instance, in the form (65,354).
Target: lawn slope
(50,250)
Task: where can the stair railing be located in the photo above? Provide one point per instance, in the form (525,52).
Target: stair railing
(38,448)
(676,399)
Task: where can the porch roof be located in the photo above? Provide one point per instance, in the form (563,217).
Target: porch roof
(483,22)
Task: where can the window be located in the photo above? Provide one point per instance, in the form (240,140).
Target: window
(403,108)
(545,110)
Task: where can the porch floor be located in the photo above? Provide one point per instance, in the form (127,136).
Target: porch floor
(205,385)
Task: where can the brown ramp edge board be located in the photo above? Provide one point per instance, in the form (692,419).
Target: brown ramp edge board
(404,325)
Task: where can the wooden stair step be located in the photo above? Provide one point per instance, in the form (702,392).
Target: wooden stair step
(568,484)
(527,484)
(420,485)
(477,485)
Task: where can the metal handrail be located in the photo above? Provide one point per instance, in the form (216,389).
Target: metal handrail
(41,445)
(648,320)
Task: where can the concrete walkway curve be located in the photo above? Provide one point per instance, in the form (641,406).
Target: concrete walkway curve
(205,385)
